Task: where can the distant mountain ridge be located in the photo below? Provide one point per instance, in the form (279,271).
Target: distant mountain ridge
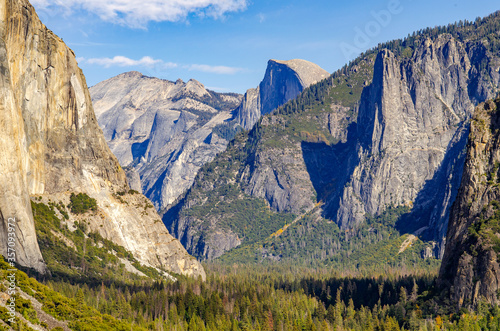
(163,132)
(389,130)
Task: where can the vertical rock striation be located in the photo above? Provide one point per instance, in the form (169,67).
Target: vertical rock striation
(14,193)
(412,130)
(53,144)
(406,147)
(470,268)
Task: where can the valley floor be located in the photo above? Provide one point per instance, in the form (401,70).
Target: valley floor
(243,297)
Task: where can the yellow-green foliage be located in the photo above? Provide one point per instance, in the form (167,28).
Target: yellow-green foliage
(95,258)
(76,312)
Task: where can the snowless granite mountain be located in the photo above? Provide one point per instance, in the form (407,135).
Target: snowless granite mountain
(283,81)
(163,132)
(470,268)
(387,131)
(52,147)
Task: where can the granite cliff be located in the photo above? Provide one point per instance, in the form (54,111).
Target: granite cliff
(283,81)
(412,128)
(53,146)
(387,131)
(163,132)
(470,270)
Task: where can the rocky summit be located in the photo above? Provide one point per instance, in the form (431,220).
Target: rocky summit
(52,147)
(283,81)
(387,131)
(162,132)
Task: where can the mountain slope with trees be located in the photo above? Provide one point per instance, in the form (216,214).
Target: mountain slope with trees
(387,130)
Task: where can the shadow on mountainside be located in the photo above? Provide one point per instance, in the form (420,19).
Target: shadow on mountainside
(432,205)
(330,168)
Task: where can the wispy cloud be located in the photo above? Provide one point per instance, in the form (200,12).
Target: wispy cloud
(137,13)
(221,70)
(261,17)
(148,61)
(123,61)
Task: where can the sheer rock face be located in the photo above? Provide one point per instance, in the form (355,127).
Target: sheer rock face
(412,130)
(470,268)
(405,147)
(53,145)
(283,81)
(161,131)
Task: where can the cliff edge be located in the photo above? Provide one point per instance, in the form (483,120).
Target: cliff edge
(51,145)
(470,268)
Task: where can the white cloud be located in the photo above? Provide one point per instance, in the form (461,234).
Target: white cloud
(221,70)
(261,17)
(147,61)
(122,61)
(137,13)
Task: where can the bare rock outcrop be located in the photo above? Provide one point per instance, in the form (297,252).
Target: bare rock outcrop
(53,145)
(412,129)
(470,270)
(162,132)
(283,81)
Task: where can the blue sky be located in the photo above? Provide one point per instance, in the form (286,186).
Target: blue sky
(225,44)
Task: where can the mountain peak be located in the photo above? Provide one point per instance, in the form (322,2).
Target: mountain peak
(308,72)
(145,119)
(130,74)
(196,87)
(283,81)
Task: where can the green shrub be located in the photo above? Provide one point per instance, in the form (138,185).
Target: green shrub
(82,203)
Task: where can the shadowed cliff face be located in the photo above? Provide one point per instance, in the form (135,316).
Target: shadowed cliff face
(283,81)
(53,145)
(161,131)
(470,270)
(330,167)
(412,130)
